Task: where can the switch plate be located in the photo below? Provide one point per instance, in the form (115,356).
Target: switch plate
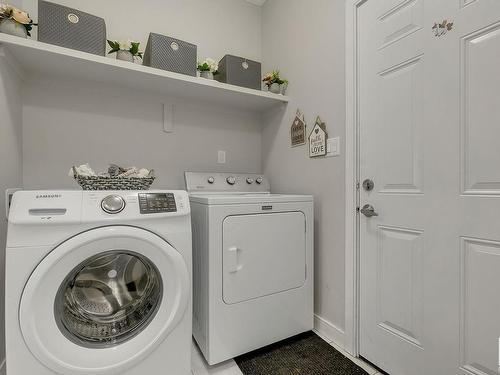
(333,147)
(221,157)
(168,118)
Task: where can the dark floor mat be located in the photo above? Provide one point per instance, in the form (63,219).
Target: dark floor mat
(306,354)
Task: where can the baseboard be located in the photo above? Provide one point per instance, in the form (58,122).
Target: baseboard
(2,368)
(329,331)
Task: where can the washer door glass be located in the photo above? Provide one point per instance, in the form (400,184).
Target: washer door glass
(108,299)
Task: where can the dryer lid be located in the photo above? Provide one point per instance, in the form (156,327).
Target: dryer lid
(266,198)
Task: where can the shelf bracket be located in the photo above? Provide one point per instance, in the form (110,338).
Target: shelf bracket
(168,118)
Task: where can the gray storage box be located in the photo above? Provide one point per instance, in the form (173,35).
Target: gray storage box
(240,72)
(71,28)
(164,52)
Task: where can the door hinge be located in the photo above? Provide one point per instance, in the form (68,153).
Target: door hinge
(358,209)
(358,185)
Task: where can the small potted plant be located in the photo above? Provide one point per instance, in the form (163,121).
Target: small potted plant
(275,83)
(125,50)
(208,68)
(14,21)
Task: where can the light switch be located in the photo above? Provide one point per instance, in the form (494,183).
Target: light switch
(221,157)
(333,147)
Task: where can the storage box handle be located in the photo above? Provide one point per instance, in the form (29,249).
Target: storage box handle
(174,46)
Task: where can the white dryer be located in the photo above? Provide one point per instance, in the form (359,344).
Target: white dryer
(98,283)
(252,262)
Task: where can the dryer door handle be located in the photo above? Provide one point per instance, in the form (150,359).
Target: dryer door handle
(233,257)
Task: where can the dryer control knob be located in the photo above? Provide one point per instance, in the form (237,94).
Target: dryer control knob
(113,204)
(231,180)
(250,181)
(259,180)
(211,180)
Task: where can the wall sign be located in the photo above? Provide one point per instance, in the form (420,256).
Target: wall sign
(298,130)
(317,139)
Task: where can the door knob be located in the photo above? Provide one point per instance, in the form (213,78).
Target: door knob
(368,211)
(368,185)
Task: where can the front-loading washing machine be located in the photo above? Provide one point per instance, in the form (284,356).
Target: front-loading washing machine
(98,283)
(252,261)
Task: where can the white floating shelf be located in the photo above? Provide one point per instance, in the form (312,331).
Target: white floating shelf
(36,58)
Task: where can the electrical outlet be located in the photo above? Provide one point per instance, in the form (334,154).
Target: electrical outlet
(221,157)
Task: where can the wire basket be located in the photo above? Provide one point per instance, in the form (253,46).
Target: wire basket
(114,183)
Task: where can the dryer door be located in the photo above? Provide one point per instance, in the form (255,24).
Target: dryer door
(263,254)
(104,300)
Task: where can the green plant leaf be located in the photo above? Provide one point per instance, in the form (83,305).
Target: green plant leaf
(115,46)
(29,27)
(203,67)
(111,44)
(134,50)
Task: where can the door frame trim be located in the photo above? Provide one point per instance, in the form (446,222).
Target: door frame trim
(352,261)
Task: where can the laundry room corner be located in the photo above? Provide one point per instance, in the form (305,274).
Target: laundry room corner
(308,48)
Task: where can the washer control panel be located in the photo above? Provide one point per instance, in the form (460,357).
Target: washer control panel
(155,203)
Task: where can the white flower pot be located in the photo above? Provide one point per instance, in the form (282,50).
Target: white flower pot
(125,56)
(207,75)
(275,88)
(283,88)
(11,27)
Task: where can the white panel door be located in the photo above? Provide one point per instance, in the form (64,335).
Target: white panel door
(429,129)
(263,255)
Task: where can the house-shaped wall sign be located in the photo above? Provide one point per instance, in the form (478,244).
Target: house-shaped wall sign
(298,130)
(317,139)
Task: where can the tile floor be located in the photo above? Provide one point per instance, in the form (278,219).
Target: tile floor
(200,367)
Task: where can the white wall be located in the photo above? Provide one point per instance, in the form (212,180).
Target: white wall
(10,162)
(305,40)
(217,27)
(99,125)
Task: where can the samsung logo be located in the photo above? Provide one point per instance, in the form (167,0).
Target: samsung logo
(267,208)
(48,196)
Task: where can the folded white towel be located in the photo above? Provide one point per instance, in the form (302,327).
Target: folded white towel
(83,170)
(143,173)
(131,172)
(86,171)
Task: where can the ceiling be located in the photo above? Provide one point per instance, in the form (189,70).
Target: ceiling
(257,2)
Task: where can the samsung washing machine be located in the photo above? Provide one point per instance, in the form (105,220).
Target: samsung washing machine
(252,261)
(98,283)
